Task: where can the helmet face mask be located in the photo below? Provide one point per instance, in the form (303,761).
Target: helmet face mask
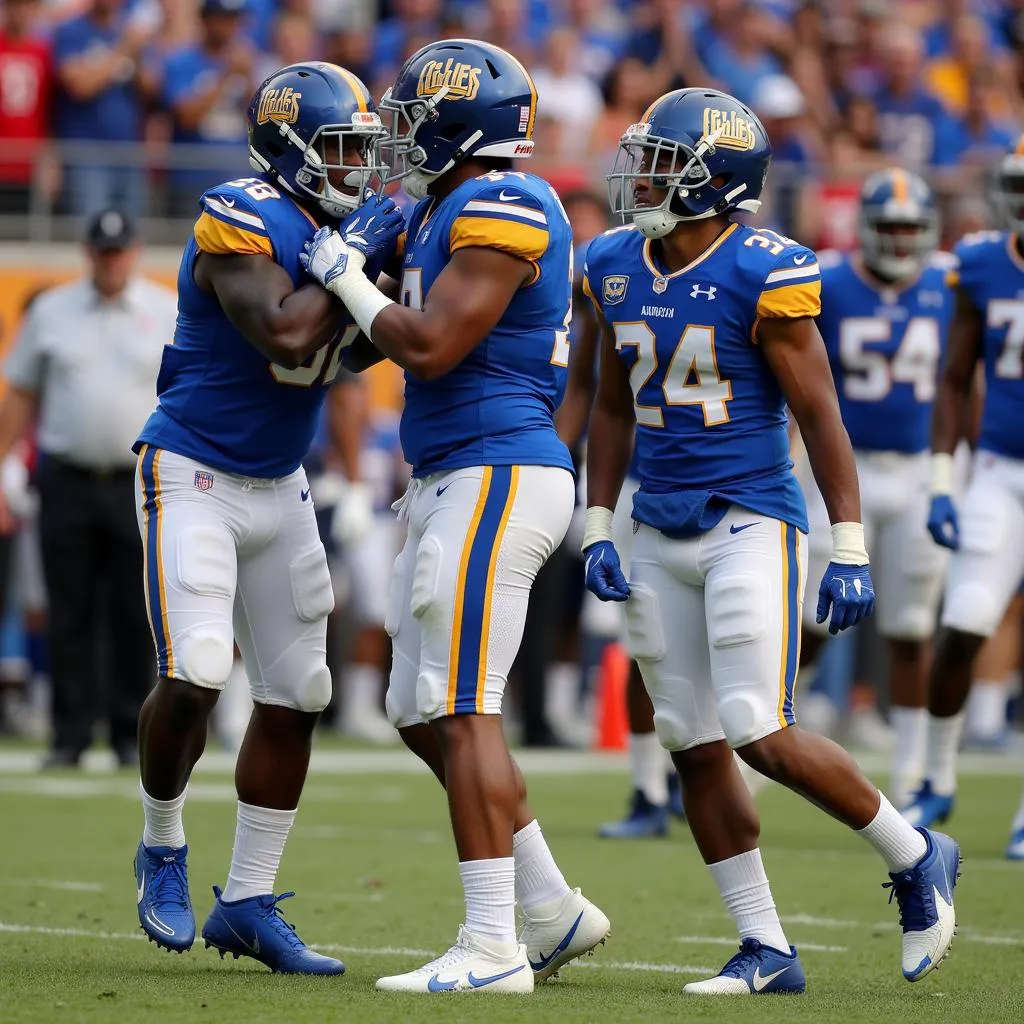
(697,154)
(1009,192)
(330,177)
(898,224)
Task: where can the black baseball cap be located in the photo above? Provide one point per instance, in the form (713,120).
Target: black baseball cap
(109,230)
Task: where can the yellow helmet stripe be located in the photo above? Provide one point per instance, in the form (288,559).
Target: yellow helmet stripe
(900,188)
(358,89)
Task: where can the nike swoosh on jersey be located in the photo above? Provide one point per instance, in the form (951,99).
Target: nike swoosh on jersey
(481,982)
(441,490)
(739,529)
(226,201)
(507,199)
(543,961)
(760,982)
(798,260)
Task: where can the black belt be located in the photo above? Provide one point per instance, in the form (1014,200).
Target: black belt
(86,472)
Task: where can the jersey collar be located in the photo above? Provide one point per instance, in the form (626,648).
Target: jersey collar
(659,275)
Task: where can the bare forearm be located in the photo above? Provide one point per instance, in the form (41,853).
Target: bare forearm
(571,417)
(16,413)
(85,78)
(348,421)
(609,447)
(950,415)
(835,472)
(406,336)
(293,329)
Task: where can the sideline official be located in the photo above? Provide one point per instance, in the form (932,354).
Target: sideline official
(84,367)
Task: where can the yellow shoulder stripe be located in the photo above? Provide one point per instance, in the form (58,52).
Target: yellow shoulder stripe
(219,238)
(527,241)
(952,278)
(792,301)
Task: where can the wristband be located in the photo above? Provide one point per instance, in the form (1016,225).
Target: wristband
(362,298)
(848,544)
(598,526)
(942,473)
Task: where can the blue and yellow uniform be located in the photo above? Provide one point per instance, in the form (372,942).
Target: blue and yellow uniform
(496,407)
(711,418)
(991,275)
(885,346)
(220,401)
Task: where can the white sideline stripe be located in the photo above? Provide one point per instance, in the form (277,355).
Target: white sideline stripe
(52,883)
(718,940)
(533,762)
(330,947)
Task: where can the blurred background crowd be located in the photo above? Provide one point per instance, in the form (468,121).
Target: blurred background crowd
(139,105)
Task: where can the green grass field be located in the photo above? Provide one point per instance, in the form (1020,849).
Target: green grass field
(374,867)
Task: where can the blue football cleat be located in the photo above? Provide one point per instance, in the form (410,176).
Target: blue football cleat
(927,808)
(1015,847)
(756,970)
(165,910)
(925,897)
(675,796)
(254,927)
(643,820)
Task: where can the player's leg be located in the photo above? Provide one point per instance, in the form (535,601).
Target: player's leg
(284,596)
(753,595)
(1015,847)
(467,570)
(908,568)
(984,574)
(189,574)
(669,639)
(995,673)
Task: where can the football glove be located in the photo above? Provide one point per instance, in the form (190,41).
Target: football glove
(849,592)
(604,572)
(943,524)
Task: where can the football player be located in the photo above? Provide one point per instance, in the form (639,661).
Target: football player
(885,315)
(709,334)
(482,333)
(232,552)
(987,566)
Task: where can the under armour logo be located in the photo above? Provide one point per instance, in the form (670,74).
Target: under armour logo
(708,292)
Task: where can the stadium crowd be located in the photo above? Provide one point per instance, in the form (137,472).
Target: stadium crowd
(140,104)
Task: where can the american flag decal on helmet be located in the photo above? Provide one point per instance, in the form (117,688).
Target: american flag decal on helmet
(204,480)
(524,118)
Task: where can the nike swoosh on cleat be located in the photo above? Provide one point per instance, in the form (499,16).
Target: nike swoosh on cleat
(539,965)
(441,986)
(253,947)
(739,529)
(481,982)
(761,981)
(142,887)
(157,923)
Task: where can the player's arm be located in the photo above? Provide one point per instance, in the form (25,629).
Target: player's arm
(257,295)
(952,414)
(347,417)
(571,415)
(362,353)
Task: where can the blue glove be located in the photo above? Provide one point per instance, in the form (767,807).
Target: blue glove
(943,524)
(849,592)
(373,228)
(604,572)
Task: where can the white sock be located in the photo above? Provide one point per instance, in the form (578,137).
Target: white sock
(363,684)
(647,766)
(562,692)
(986,708)
(911,728)
(490,887)
(538,879)
(744,887)
(163,820)
(940,759)
(1018,821)
(899,843)
(260,835)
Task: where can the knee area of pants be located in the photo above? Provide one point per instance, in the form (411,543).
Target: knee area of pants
(206,660)
(972,609)
(743,719)
(431,695)
(911,624)
(314,693)
(673,732)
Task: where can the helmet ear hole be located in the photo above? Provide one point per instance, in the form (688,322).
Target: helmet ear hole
(450,132)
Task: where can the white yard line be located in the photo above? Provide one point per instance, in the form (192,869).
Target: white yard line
(51,883)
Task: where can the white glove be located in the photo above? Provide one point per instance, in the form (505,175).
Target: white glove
(20,497)
(328,258)
(353,514)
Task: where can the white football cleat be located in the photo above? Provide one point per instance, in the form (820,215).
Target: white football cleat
(473,964)
(562,930)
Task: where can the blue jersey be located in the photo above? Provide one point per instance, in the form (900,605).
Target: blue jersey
(495,408)
(220,401)
(711,418)
(991,276)
(885,346)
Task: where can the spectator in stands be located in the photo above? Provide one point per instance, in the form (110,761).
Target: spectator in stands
(349,43)
(99,105)
(628,93)
(207,88)
(506,23)
(565,94)
(85,363)
(390,40)
(292,39)
(914,128)
(738,59)
(26,81)
(601,32)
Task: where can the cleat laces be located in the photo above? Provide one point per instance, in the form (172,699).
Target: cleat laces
(170,887)
(274,917)
(748,957)
(915,899)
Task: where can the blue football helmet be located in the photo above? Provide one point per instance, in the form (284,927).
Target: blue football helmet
(898,223)
(301,121)
(1009,189)
(705,148)
(454,99)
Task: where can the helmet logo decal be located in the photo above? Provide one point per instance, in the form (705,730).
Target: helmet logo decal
(461,80)
(731,131)
(279,105)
